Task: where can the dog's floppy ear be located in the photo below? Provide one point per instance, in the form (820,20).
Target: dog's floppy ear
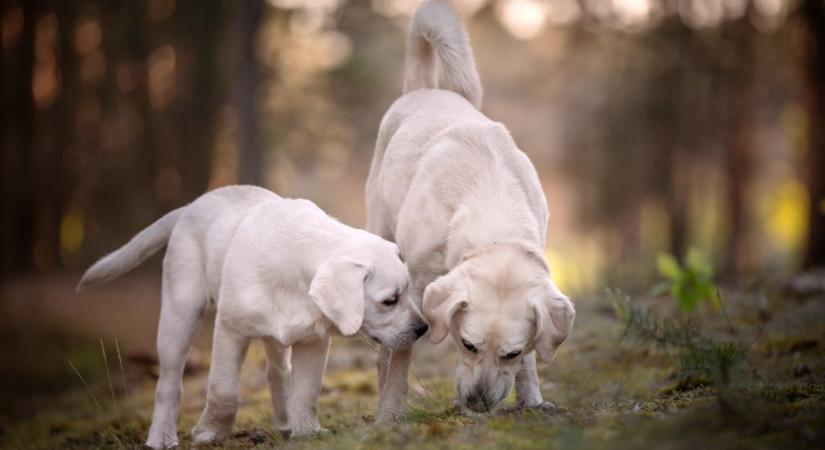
(443,298)
(338,291)
(554,320)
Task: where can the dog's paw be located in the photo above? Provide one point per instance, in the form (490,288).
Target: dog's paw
(544,406)
(161,437)
(307,430)
(204,435)
(387,417)
(390,414)
(159,446)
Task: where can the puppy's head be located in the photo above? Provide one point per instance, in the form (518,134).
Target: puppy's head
(367,291)
(498,305)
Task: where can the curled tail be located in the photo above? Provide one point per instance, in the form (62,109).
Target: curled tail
(439,54)
(126,258)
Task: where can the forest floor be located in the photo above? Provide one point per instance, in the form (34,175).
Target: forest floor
(611,392)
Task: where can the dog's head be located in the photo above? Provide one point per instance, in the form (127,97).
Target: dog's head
(499,305)
(367,291)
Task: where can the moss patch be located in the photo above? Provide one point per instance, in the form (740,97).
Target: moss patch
(611,393)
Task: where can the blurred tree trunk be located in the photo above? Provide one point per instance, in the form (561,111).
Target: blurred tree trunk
(137,49)
(740,145)
(63,165)
(199,115)
(18,143)
(247,20)
(814,12)
(676,140)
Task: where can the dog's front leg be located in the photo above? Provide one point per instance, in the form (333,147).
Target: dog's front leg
(277,375)
(528,391)
(393,372)
(309,360)
(228,352)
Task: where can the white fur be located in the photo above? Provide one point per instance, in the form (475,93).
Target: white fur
(276,269)
(464,204)
(439,53)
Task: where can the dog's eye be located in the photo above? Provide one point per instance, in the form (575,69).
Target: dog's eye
(470,347)
(511,355)
(391,301)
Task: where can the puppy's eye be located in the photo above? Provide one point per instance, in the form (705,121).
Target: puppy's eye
(511,355)
(391,301)
(470,347)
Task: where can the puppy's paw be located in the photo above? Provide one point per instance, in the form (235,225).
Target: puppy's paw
(158,445)
(161,437)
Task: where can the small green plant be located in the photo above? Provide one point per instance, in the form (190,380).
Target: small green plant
(690,283)
(702,360)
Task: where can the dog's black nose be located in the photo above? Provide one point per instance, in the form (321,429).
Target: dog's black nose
(422,330)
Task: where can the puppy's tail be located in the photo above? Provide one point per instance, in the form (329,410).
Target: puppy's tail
(439,53)
(126,258)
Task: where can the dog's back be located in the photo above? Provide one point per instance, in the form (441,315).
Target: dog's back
(207,222)
(435,136)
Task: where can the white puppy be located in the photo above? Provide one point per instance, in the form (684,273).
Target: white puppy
(276,269)
(468,213)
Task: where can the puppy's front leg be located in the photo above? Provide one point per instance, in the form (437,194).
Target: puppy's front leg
(228,352)
(393,372)
(277,375)
(309,361)
(528,391)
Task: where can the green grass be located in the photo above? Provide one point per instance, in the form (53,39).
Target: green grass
(611,393)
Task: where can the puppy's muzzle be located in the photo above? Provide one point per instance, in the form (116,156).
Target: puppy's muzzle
(422,330)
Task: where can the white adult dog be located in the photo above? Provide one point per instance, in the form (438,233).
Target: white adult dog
(466,209)
(276,269)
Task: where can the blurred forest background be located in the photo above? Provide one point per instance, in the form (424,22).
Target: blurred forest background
(656,126)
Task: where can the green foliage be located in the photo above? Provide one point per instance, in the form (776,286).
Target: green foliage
(702,360)
(689,284)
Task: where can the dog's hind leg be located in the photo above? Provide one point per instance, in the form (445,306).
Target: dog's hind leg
(277,375)
(228,353)
(183,302)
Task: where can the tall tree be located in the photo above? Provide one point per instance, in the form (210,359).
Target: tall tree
(203,38)
(740,138)
(18,143)
(247,20)
(814,14)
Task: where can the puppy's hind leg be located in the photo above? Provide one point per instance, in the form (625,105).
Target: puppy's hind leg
(183,302)
(277,375)
(228,353)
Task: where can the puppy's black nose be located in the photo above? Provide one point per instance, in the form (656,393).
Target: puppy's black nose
(422,330)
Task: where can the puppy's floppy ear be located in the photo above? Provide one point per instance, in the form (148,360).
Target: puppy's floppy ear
(443,298)
(554,320)
(338,291)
